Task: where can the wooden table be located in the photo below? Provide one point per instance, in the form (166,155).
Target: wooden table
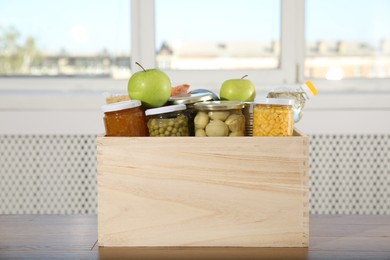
(75,237)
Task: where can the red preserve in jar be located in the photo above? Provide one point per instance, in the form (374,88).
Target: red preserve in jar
(125,118)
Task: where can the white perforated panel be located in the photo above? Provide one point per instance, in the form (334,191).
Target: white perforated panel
(350,174)
(56,174)
(47,174)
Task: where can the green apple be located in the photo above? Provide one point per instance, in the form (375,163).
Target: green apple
(238,90)
(152,87)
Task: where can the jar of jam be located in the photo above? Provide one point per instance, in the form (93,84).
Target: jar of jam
(273,117)
(124,118)
(189,101)
(219,118)
(167,121)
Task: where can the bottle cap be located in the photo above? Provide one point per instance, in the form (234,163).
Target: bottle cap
(309,89)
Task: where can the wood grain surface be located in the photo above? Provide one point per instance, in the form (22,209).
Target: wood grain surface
(75,237)
(187,191)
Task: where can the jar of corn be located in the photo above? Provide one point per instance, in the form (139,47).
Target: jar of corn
(273,117)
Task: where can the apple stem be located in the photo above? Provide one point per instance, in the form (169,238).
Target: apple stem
(244,76)
(140,65)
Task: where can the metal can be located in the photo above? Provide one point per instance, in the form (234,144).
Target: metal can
(248,113)
(219,118)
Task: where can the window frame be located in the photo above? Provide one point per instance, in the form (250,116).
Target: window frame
(291,59)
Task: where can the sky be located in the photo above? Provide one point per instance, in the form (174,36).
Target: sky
(353,20)
(94,25)
(74,25)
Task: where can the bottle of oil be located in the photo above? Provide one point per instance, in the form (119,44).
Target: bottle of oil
(299,93)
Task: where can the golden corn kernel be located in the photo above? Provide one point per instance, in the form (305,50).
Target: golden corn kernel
(272,120)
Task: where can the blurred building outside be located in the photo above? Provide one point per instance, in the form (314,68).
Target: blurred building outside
(333,60)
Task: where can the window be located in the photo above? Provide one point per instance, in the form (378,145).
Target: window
(71,38)
(204,57)
(346,40)
(218,34)
(203,42)
(89,43)
(92,38)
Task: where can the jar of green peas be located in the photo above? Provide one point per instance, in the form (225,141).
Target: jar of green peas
(167,121)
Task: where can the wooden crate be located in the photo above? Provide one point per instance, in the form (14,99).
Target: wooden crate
(211,191)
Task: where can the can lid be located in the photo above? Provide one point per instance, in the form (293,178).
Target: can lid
(121,105)
(201,90)
(165,109)
(191,98)
(219,105)
(275,101)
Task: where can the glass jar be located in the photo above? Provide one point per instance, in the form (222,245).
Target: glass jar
(300,94)
(124,118)
(115,97)
(219,118)
(273,117)
(167,121)
(189,101)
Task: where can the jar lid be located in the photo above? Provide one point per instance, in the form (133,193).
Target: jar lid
(219,105)
(275,101)
(121,105)
(191,98)
(165,109)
